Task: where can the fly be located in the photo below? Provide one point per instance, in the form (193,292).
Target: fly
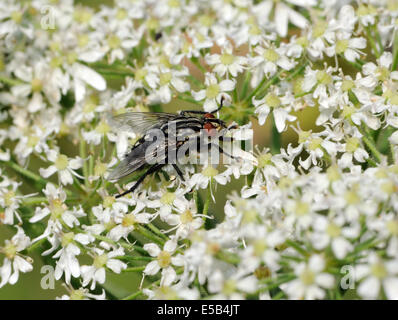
(143,155)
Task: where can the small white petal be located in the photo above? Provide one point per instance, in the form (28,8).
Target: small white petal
(152,249)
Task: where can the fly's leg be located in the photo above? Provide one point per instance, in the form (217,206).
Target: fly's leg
(179,172)
(152,169)
(226,139)
(221,150)
(184,112)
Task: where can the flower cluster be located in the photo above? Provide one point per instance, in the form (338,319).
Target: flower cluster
(317,216)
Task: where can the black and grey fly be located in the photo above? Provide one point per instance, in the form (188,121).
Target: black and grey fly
(152,153)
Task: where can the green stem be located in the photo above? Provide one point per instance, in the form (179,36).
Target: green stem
(34,200)
(228,257)
(188,99)
(299,95)
(392,154)
(254,92)
(134,295)
(372,42)
(235,93)
(112,69)
(26,173)
(148,234)
(114,73)
(275,138)
(136,258)
(9,81)
(195,81)
(154,284)
(36,244)
(279,295)
(91,161)
(297,71)
(278,282)
(125,245)
(83,155)
(275,79)
(197,63)
(295,246)
(155,230)
(134,269)
(198,201)
(207,202)
(78,185)
(368,140)
(378,38)
(245,84)
(395,53)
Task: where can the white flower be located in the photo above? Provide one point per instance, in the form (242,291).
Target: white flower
(81,294)
(380,71)
(213,92)
(176,291)
(166,201)
(126,221)
(39,85)
(261,248)
(376,274)
(232,287)
(311,280)
(14,262)
(226,62)
(186,221)
(101,131)
(12,22)
(280,106)
(394,138)
(207,175)
(9,200)
(59,213)
(85,110)
(83,76)
(322,80)
(168,81)
(284,13)
(164,260)
(118,39)
(33,141)
(96,272)
(331,231)
(67,262)
(267,60)
(64,166)
(316,146)
(353,149)
(347,46)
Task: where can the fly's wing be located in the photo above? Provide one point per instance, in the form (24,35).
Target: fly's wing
(140,156)
(140,122)
(123,169)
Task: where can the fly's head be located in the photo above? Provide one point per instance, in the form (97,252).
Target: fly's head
(212,125)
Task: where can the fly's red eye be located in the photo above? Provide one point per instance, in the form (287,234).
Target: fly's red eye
(209,115)
(208,126)
(210,129)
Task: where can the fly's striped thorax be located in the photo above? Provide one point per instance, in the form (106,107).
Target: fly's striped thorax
(182,123)
(182,129)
